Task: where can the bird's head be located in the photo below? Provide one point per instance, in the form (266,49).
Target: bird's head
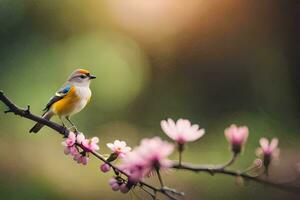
(81,77)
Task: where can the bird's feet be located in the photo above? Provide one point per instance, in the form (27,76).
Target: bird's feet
(73,128)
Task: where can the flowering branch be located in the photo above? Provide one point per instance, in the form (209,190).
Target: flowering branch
(150,156)
(217,170)
(12,108)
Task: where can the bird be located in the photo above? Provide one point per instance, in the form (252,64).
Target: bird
(69,100)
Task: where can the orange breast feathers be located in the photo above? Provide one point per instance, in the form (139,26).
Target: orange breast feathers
(66,105)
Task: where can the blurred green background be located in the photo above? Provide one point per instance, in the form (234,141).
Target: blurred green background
(213,62)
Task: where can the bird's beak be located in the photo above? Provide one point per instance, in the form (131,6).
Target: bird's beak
(92,76)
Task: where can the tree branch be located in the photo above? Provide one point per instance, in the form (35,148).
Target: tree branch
(27,114)
(168,192)
(12,108)
(212,170)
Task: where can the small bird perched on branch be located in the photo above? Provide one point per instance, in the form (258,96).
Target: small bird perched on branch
(70,99)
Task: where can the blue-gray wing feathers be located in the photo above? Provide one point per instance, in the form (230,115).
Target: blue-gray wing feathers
(58,96)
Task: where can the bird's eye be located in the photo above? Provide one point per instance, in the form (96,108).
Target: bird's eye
(82,76)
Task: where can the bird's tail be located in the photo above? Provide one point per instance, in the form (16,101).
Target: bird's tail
(38,126)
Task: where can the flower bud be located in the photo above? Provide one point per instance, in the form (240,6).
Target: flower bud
(237,137)
(268,150)
(104,167)
(124,188)
(115,187)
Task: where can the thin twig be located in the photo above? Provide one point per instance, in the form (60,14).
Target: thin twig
(217,170)
(180,150)
(159,178)
(180,157)
(230,162)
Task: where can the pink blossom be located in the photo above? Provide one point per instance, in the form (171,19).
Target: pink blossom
(119,147)
(134,165)
(80,138)
(69,144)
(150,155)
(71,150)
(124,188)
(104,167)
(268,150)
(84,160)
(156,151)
(70,141)
(114,184)
(112,181)
(81,159)
(115,187)
(182,131)
(88,144)
(236,136)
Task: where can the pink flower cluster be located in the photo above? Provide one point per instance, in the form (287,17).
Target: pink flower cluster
(118,185)
(152,154)
(86,144)
(237,137)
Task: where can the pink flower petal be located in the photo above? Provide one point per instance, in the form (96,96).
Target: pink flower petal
(115,187)
(95,140)
(80,138)
(273,144)
(110,145)
(124,188)
(264,143)
(143,159)
(166,127)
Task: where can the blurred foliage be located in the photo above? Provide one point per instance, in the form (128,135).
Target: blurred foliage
(213,62)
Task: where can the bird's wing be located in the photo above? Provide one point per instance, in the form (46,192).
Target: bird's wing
(60,94)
